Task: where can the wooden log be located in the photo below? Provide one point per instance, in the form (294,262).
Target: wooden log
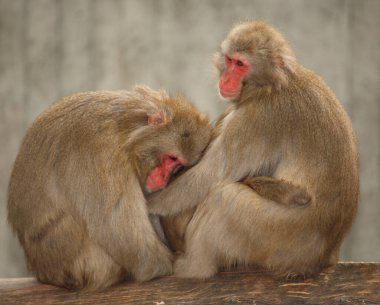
(346,283)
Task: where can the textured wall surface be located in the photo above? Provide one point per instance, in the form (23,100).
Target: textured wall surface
(50,48)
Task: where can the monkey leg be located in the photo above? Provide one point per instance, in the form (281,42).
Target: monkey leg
(128,236)
(60,252)
(234,225)
(202,252)
(150,257)
(79,254)
(153,261)
(93,269)
(280,191)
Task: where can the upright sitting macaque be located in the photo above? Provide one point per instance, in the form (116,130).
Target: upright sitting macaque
(284,130)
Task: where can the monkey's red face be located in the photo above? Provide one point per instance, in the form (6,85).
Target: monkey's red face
(159,176)
(231,80)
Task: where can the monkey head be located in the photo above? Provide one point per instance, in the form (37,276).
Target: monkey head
(253,55)
(174,136)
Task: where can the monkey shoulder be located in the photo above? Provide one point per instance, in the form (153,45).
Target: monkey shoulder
(309,86)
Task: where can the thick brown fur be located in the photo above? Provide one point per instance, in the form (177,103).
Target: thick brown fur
(76,193)
(278,190)
(287,125)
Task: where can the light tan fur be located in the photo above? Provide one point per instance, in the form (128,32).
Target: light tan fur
(285,124)
(76,194)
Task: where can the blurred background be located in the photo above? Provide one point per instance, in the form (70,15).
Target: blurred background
(51,48)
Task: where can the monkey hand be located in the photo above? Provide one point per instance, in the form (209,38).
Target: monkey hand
(280,191)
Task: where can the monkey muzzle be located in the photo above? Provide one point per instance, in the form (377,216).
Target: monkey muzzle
(160,176)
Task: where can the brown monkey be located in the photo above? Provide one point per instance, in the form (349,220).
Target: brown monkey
(286,124)
(76,194)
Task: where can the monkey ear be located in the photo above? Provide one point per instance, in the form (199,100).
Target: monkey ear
(158,118)
(279,60)
(284,61)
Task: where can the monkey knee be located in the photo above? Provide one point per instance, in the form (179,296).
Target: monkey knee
(98,278)
(65,277)
(98,270)
(90,271)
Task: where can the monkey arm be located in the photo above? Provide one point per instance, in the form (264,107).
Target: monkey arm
(280,191)
(124,231)
(187,190)
(219,123)
(228,158)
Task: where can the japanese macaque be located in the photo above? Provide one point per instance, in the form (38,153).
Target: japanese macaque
(285,125)
(78,186)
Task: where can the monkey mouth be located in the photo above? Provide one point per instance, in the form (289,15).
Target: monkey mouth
(228,94)
(159,177)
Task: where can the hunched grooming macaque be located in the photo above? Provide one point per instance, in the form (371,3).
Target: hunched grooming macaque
(285,125)
(77,190)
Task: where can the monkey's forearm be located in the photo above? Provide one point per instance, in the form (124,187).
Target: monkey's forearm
(280,191)
(183,193)
(115,228)
(121,235)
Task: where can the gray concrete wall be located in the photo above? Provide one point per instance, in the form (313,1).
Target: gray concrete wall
(50,48)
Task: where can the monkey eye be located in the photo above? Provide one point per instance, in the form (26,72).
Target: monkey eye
(239,63)
(228,58)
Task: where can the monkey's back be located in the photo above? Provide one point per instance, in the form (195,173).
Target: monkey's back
(62,141)
(84,139)
(320,153)
(62,130)
(321,137)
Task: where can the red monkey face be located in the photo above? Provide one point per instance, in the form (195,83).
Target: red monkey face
(170,161)
(231,80)
(159,177)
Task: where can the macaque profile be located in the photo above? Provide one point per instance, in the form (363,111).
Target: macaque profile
(77,190)
(285,129)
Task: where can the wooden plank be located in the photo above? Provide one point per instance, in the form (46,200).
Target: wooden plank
(347,283)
